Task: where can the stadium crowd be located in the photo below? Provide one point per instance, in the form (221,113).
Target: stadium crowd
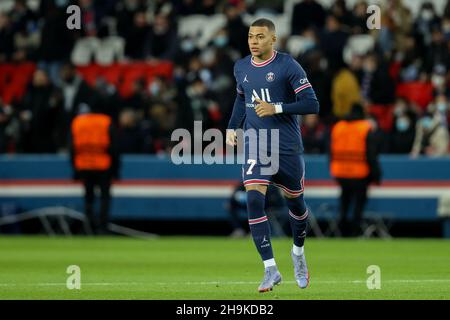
(403,79)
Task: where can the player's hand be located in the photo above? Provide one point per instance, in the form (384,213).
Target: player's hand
(231,137)
(264,109)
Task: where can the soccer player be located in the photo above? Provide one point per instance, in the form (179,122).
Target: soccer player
(272,90)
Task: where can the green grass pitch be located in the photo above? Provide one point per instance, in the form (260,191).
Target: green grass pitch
(218,268)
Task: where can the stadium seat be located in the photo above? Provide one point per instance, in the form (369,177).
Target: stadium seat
(110,50)
(358,45)
(384,115)
(89,73)
(215,23)
(6,71)
(84,51)
(112,73)
(296,45)
(14,80)
(416,91)
(163,69)
(191,26)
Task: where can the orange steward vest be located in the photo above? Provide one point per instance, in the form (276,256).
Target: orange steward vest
(348,149)
(91,141)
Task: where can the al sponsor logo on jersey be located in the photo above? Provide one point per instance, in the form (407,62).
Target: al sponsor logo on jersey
(263,94)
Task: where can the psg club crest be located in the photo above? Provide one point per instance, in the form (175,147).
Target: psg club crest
(270,76)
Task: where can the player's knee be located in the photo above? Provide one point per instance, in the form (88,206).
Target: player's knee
(297,205)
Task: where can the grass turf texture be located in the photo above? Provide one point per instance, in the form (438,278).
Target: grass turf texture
(218,268)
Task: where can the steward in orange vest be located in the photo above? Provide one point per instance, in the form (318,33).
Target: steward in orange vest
(354,164)
(95,162)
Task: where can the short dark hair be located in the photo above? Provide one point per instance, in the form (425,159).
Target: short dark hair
(264,23)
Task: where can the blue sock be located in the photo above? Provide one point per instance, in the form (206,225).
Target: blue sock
(298,218)
(259,225)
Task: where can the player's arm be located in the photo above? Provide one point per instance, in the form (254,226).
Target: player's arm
(305,98)
(237,116)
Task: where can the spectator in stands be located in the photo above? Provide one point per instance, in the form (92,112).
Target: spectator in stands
(403,133)
(125,12)
(22,18)
(91,20)
(163,39)
(265,7)
(164,117)
(410,65)
(426,22)
(359,18)
(377,86)
(396,21)
(139,98)
(314,134)
(76,94)
(339,10)
(24,24)
(437,52)
(432,137)
(7,47)
(440,108)
(130,138)
(439,81)
(109,99)
(7,130)
(203,103)
(40,112)
(236,30)
(307,14)
(333,40)
(345,91)
(137,37)
(56,46)
(319,76)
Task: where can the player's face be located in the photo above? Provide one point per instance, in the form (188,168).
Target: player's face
(260,41)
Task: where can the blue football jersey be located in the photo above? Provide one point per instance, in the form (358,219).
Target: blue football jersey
(278,80)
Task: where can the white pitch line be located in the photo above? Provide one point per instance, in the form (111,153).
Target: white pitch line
(46,284)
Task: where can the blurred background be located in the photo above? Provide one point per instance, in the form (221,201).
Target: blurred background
(156,66)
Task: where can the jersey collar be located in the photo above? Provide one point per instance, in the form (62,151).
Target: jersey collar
(264,63)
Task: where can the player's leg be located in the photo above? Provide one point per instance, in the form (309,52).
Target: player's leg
(256,187)
(89,197)
(298,218)
(360,193)
(345,201)
(290,179)
(105,199)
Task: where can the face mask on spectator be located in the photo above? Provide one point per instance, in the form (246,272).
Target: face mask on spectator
(402,124)
(62,3)
(221,41)
(187,45)
(441,106)
(437,80)
(154,89)
(427,122)
(427,14)
(399,109)
(308,44)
